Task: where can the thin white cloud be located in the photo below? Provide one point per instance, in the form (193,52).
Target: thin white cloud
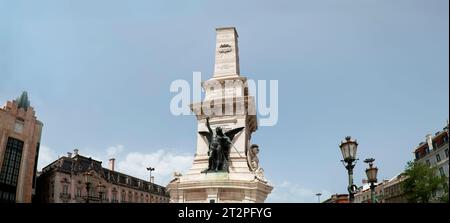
(164,162)
(46,156)
(114,151)
(288,192)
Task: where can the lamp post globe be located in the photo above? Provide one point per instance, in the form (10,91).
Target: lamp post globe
(348,149)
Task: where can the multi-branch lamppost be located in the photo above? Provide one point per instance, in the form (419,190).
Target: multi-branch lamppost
(87,180)
(150,169)
(348,150)
(371,173)
(318,197)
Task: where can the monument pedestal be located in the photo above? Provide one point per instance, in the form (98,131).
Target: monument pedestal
(229,107)
(218,188)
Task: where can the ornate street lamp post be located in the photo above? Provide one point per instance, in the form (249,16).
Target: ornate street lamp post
(87,180)
(348,150)
(371,173)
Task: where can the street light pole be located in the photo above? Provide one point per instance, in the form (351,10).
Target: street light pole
(372,192)
(351,186)
(371,173)
(348,150)
(150,169)
(318,197)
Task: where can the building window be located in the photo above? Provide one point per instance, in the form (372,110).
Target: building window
(114,197)
(78,192)
(11,163)
(36,156)
(122,199)
(65,189)
(428,163)
(438,158)
(92,192)
(446,153)
(52,189)
(10,170)
(441,171)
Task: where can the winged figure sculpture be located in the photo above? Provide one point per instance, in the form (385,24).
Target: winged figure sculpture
(219,144)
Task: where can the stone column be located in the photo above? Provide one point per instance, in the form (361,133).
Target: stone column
(227,55)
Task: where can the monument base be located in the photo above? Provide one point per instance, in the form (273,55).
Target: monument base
(217,188)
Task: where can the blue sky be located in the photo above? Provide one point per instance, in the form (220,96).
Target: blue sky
(98,74)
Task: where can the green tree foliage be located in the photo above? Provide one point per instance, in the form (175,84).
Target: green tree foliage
(445,198)
(422,182)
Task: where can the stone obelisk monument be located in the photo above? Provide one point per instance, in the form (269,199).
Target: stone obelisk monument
(226,108)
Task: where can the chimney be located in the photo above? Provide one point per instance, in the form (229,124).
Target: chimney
(69,154)
(75,152)
(429,141)
(111,164)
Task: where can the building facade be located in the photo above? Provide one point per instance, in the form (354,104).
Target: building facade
(79,179)
(393,192)
(364,194)
(387,191)
(20,136)
(337,198)
(434,152)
